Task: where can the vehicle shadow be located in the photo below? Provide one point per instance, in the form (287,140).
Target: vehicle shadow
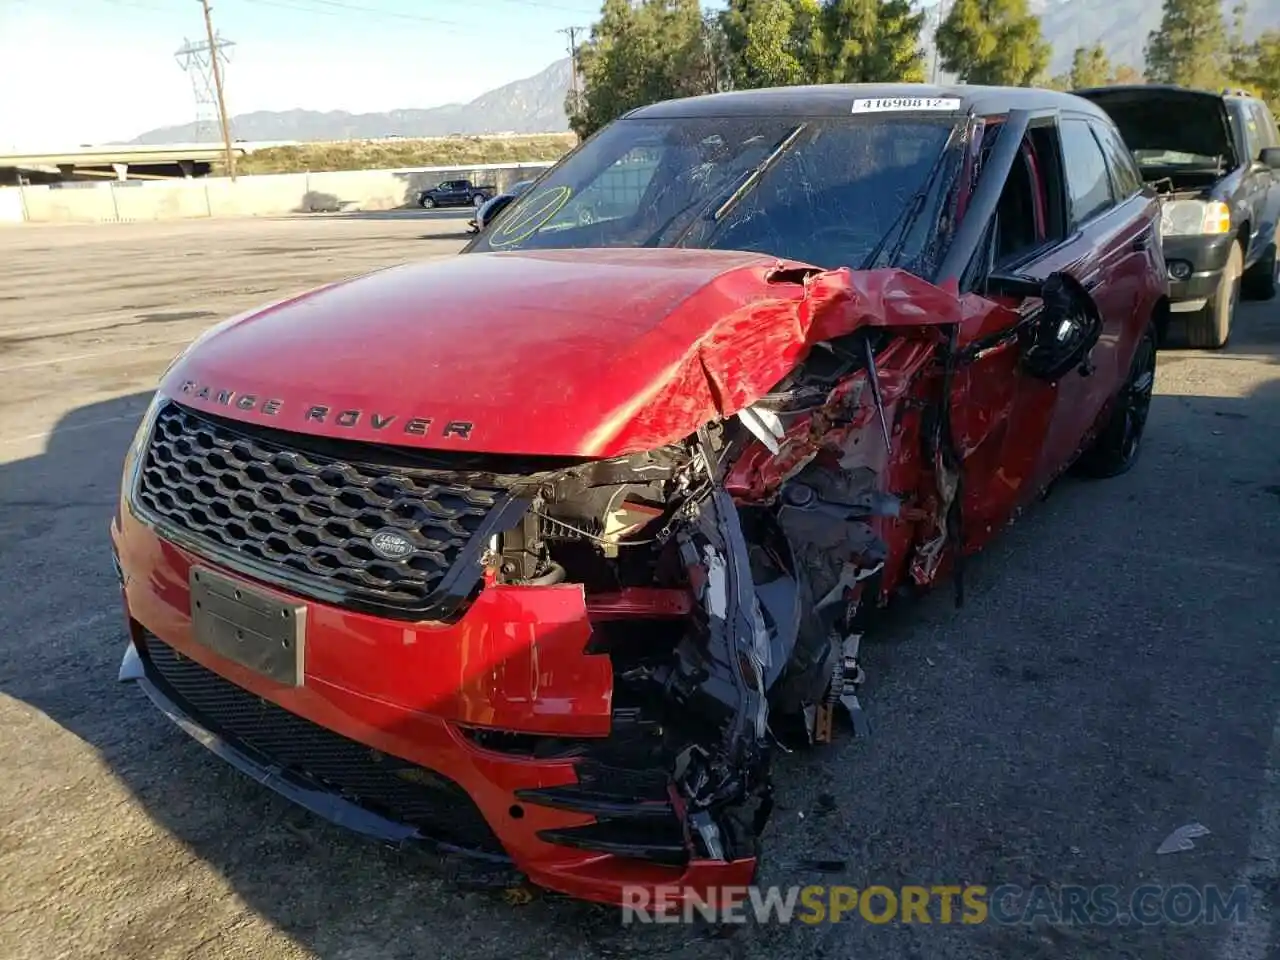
(333,893)
(452,216)
(866,811)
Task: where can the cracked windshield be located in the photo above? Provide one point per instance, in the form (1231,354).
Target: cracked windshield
(823,192)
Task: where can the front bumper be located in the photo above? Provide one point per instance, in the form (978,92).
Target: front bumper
(444,704)
(307,793)
(1205,257)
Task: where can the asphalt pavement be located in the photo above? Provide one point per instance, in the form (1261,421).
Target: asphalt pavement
(1112,676)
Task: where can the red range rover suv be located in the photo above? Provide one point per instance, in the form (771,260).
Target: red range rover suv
(535,554)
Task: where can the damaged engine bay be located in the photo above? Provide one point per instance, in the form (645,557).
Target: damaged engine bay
(727,579)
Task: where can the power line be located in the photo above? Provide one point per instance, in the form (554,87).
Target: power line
(339,5)
(549,6)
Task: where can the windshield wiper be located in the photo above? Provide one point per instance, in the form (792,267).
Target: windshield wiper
(902,224)
(747,182)
(754,177)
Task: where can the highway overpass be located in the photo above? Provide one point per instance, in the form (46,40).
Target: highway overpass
(119,161)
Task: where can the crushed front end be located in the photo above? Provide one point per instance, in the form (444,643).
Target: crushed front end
(550,573)
(578,669)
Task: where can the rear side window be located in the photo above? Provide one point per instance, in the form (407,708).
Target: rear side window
(1125,179)
(1088,181)
(1266,126)
(1252,132)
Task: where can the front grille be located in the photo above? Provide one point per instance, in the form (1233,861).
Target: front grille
(270,503)
(386,785)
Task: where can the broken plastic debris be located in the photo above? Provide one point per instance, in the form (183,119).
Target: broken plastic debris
(517,896)
(765,425)
(1181,838)
(717,588)
(853,707)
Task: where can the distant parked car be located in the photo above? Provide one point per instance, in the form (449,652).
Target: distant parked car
(454,193)
(487,212)
(1214,158)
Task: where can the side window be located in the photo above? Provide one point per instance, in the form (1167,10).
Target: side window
(1030,215)
(1020,215)
(1125,179)
(1266,128)
(1252,132)
(1088,182)
(1271,124)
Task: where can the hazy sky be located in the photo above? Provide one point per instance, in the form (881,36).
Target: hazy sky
(87,71)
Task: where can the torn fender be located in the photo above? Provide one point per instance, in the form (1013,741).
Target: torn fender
(750,350)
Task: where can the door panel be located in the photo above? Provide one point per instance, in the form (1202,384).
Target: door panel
(1015,432)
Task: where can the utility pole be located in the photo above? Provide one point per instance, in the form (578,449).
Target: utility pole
(572,34)
(217,83)
(936,57)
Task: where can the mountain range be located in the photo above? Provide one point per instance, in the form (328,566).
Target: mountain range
(532,105)
(536,104)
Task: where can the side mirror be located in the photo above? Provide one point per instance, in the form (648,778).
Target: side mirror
(1064,334)
(1270,157)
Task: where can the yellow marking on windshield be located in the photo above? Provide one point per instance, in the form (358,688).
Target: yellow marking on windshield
(531,217)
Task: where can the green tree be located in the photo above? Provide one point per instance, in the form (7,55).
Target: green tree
(770,43)
(870,41)
(1126,75)
(641,52)
(1257,66)
(1190,48)
(993,42)
(1090,68)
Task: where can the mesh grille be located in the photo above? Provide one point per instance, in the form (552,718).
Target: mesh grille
(307,518)
(387,785)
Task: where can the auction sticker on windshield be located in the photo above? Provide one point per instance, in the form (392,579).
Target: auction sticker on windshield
(884,104)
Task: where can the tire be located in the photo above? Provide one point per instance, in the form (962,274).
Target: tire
(1210,328)
(1116,448)
(1259,282)
(427,203)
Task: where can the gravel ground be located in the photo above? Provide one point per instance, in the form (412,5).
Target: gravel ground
(1112,676)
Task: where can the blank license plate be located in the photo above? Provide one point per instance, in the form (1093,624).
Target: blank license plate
(247,625)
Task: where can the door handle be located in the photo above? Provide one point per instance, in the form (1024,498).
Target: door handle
(1141,240)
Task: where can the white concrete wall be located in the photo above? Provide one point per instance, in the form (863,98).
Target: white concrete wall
(10,206)
(86,203)
(139,200)
(252,196)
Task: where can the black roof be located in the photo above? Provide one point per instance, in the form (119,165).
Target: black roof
(836,99)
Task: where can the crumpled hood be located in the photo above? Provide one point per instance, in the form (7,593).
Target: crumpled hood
(587,353)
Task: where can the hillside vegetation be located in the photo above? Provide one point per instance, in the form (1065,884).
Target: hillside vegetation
(397,153)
